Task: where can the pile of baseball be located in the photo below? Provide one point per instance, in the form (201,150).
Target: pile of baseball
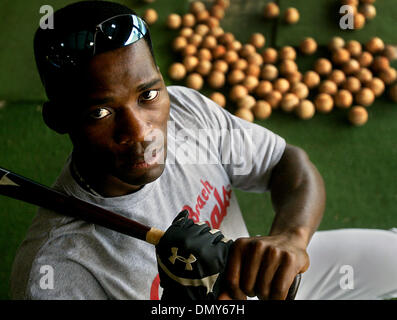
(256,80)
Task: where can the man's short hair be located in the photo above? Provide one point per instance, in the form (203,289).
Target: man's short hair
(83,15)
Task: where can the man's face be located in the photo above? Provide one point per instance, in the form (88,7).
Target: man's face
(123,103)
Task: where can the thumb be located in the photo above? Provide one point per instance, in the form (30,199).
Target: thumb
(224,296)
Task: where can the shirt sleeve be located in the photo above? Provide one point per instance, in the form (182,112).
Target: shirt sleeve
(248,152)
(62,279)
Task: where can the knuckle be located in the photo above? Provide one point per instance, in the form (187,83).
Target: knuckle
(257,245)
(273,252)
(263,294)
(248,290)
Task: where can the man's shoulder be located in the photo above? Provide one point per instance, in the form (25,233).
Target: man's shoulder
(193,108)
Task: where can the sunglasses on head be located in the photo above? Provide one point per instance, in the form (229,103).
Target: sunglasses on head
(113,33)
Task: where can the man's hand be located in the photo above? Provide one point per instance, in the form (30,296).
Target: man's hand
(264,267)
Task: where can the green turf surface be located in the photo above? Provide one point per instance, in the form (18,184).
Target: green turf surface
(358,164)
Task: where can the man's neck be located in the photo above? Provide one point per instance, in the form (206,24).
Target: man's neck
(106,186)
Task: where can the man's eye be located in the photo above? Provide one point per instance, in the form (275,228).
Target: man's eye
(99,113)
(150,95)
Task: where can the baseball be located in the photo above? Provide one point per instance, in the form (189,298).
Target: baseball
(262,109)
(188,20)
(289,102)
(150,16)
(204,54)
(354,47)
(194,81)
(237,92)
(375,45)
(300,90)
(311,79)
(376,85)
(308,46)
(351,67)
(291,16)
(216,79)
(269,55)
(365,97)
(271,10)
(288,66)
(365,59)
(305,110)
(204,67)
(231,56)
(218,98)
(294,77)
(246,102)
(218,52)
(324,103)
(274,98)
(174,21)
(177,71)
(358,116)
(323,66)
(328,86)
(368,10)
(190,63)
(336,43)
(221,65)
(287,53)
(196,7)
(364,75)
(258,40)
(380,63)
(250,82)
(245,114)
(337,76)
(264,87)
(179,43)
(388,76)
(359,21)
(340,56)
(253,70)
(269,72)
(352,84)
(235,76)
(282,85)
(343,99)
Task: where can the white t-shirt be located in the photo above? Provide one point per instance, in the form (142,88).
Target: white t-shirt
(210,152)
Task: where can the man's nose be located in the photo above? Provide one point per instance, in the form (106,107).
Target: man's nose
(131,127)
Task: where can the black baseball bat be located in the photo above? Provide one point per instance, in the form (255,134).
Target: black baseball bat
(21,188)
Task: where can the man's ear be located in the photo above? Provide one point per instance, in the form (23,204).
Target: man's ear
(54,118)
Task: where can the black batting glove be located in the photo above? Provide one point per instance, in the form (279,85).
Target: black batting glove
(191,259)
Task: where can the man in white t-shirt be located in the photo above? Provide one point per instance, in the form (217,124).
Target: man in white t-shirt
(147,152)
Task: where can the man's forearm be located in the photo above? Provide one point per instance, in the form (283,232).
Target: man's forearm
(298,196)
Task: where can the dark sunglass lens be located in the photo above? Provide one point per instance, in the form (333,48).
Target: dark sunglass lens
(123,30)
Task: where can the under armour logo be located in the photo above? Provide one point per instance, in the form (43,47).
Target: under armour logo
(188,261)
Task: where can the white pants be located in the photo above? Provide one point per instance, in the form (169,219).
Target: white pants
(351,264)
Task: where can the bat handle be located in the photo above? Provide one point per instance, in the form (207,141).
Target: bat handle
(154,235)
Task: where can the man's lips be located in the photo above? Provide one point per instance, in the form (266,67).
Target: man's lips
(141,163)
